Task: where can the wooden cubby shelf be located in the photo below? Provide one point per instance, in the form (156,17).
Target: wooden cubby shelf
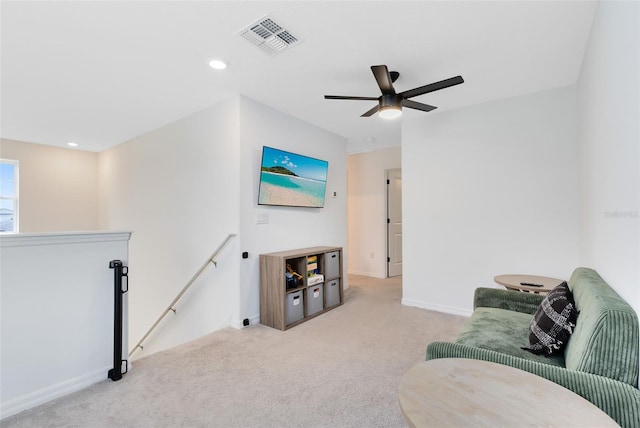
(298,285)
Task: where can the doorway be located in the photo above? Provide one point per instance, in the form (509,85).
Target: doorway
(394,222)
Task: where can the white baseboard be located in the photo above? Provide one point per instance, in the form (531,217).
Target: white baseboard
(19,404)
(238,324)
(438,308)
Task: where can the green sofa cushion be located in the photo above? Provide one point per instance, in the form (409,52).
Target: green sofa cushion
(527,303)
(605,340)
(503,331)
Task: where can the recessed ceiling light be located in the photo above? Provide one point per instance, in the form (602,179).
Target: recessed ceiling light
(72,144)
(217,64)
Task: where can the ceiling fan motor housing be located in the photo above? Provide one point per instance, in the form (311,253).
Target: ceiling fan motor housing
(391,101)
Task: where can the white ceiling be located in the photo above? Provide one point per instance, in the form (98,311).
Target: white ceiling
(100,73)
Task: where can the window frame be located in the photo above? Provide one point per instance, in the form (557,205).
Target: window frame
(16,197)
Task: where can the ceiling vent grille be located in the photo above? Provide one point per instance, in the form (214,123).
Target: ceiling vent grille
(269,36)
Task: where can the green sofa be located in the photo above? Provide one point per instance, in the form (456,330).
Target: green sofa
(600,361)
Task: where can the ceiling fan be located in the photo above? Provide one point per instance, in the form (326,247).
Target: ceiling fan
(390,103)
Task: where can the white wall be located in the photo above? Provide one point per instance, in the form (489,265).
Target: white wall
(367,206)
(56,315)
(288,227)
(609,140)
(488,189)
(178,189)
(58,187)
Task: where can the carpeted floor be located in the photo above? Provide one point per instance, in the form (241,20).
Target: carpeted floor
(340,369)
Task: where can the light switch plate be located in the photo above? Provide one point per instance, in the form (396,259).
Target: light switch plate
(262,218)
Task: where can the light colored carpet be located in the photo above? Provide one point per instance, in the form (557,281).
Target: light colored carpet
(340,369)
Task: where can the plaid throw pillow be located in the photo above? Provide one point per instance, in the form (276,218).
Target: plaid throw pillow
(553,322)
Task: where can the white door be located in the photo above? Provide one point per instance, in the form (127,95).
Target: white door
(394,222)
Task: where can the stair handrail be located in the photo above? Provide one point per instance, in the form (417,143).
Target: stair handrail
(171,308)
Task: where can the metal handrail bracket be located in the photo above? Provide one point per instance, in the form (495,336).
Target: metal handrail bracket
(171,308)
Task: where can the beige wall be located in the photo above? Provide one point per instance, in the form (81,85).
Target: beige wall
(58,187)
(367,205)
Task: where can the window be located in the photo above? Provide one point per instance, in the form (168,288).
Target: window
(8,196)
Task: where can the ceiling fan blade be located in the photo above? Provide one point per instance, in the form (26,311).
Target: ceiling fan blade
(381,73)
(432,87)
(343,97)
(418,106)
(372,111)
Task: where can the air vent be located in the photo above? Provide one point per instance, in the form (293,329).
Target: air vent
(269,36)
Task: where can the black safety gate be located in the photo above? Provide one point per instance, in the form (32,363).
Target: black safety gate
(119,272)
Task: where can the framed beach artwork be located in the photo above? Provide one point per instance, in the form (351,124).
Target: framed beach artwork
(290,179)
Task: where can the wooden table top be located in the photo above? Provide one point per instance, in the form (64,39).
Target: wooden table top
(513,282)
(460,392)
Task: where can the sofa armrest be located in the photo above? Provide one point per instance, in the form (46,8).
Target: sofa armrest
(507,299)
(619,400)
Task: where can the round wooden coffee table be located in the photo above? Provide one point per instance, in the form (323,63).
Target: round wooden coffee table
(460,392)
(515,282)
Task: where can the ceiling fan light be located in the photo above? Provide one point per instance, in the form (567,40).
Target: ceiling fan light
(390,112)
(390,106)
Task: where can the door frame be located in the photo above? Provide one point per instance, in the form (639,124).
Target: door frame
(387,218)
